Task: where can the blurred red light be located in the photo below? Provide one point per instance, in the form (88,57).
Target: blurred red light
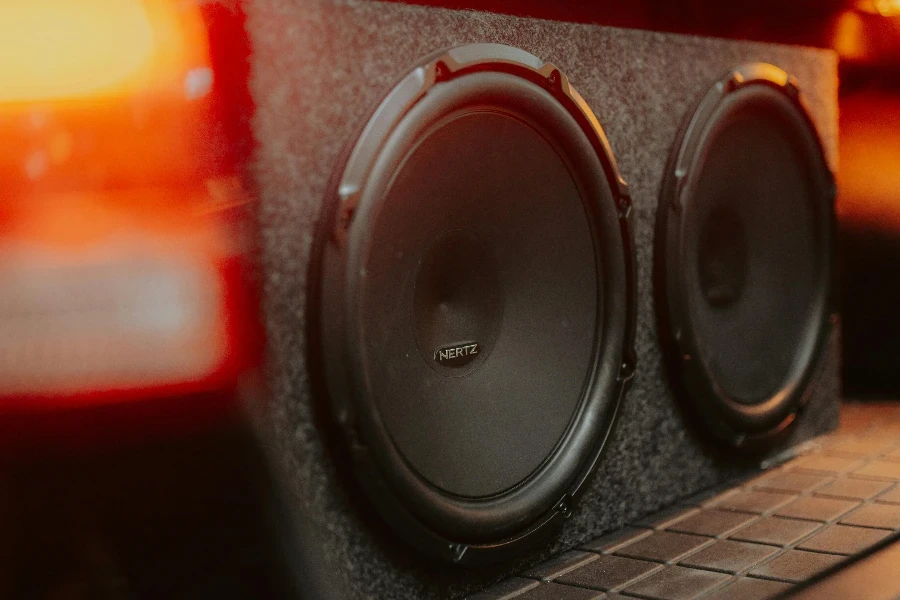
(122,266)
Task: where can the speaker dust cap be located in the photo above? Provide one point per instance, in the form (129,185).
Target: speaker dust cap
(473,300)
(745,236)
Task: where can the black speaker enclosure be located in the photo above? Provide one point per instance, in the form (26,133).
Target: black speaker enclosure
(318,69)
(759,425)
(439,522)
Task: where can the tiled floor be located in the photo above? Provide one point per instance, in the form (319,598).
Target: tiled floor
(752,541)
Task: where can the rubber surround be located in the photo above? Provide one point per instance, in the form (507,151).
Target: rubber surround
(450,527)
(763,424)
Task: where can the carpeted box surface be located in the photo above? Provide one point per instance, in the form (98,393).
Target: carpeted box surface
(318,69)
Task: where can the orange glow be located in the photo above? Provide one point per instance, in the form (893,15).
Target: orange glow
(849,38)
(61,49)
(885,8)
(869,176)
(121,266)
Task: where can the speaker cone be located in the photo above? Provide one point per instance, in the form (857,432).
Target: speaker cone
(473,300)
(744,255)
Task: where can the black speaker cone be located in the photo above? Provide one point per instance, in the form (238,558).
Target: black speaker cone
(503,264)
(476,300)
(722,258)
(745,254)
(458,303)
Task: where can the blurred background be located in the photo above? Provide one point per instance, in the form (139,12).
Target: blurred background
(129,328)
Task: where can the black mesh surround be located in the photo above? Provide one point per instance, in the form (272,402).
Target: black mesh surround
(745,251)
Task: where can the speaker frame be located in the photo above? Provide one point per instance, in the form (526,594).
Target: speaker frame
(329,323)
(758,428)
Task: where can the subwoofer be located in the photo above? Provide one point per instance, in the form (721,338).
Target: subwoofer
(745,239)
(460,289)
(472,287)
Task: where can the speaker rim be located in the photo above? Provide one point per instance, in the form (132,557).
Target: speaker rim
(752,428)
(332,235)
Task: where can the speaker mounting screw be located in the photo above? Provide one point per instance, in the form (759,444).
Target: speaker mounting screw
(680,174)
(553,80)
(458,551)
(565,507)
(346,218)
(732,83)
(626,370)
(346,212)
(624,206)
(792,88)
(440,71)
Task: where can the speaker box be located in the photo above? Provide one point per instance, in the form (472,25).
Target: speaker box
(437,425)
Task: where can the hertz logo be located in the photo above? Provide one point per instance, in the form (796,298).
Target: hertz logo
(456,355)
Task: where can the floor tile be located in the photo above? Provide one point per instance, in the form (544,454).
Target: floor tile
(715,499)
(843,539)
(854,489)
(749,588)
(886,516)
(827,464)
(754,501)
(712,522)
(677,583)
(882,469)
(787,481)
(609,572)
(893,455)
(817,509)
(857,447)
(729,556)
(795,566)
(554,591)
(663,546)
(777,531)
(891,496)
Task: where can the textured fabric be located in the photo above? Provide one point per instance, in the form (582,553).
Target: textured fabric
(318,69)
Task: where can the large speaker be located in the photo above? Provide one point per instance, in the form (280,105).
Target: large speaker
(745,240)
(471,290)
(459,288)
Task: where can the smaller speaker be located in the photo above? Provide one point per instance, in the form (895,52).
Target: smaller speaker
(745,231)
(474,302)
